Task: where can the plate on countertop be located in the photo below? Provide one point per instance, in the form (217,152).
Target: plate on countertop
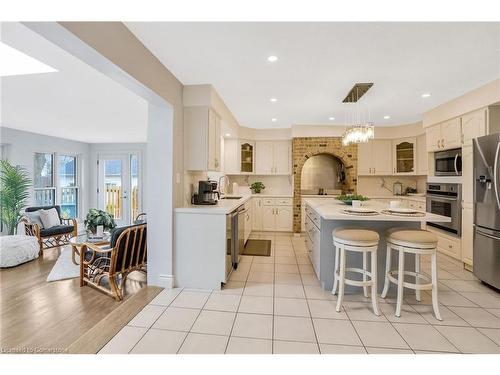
(405,212)
(362,211)
(416,194)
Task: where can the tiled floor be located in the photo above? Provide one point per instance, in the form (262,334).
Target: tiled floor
(275,305)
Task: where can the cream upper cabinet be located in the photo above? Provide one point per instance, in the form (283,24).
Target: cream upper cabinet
(422,161)
(364,158)
(375,157)
(467,234)
(231,159)
(404,156)
(433,138)
(444,136)
(202,139)
(273,157)
(473,125)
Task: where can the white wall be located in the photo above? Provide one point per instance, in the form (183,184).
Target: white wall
(20,147)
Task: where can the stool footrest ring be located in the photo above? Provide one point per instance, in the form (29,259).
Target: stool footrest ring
(394,276)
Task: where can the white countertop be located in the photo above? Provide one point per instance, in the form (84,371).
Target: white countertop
(418,198)
(224,206)
(332,210)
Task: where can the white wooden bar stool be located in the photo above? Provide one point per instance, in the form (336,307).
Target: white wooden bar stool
(358,240)
(418,242)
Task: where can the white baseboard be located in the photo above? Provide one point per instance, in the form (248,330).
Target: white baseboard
(163,281)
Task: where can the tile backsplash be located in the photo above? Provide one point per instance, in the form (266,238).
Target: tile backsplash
(382,185)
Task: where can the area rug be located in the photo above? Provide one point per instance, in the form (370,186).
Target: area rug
(257,248)
(64,267)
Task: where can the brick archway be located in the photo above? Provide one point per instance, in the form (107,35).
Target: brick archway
(304,148)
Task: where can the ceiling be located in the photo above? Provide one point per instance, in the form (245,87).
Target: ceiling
(77,102)
(319,62)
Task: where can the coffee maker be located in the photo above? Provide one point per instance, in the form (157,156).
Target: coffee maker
(207,193)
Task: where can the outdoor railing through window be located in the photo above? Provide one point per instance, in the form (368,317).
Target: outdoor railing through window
(69,202)
(114,203)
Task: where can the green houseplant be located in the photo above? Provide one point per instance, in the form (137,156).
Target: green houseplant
(14,193)
(257,186)
(97,217)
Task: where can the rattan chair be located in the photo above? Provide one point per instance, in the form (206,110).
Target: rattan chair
(106,268)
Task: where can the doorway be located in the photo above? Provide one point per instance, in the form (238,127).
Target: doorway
(119,186)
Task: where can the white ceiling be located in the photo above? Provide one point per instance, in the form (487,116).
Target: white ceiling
(319,62)
(77,102)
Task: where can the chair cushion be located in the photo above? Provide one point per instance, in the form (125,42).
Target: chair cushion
(411,237)
(55,230)
(38,208)
(355,236)
(34,218)
(50,218)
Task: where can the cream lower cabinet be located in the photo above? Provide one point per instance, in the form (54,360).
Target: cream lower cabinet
(248,220)
(467,233)
(273,214)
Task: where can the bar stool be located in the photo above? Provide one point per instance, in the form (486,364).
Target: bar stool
(418,242)
(358,240)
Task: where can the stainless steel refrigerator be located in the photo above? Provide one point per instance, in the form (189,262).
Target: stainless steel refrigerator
(487,209)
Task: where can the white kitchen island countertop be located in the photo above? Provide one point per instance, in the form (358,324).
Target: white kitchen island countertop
(332,210)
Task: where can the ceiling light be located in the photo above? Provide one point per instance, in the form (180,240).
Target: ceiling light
(274,119)
(426,95)
(274,100)
(227,134)
(272,58)
(386,117)
(331,118)
(14,62)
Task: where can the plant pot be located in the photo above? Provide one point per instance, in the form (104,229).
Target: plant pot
(257,191)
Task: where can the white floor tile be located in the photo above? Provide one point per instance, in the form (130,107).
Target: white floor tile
(331,331)
(190,299)
(285,260)
(253,326)
(293,329)
(486,300)
(466,286)
(310,279)
(262,267)
(289,291)
(325,309)
(286,268)
(291,307)
(316,292)
(363,311)
(295,347)
(448,316)
(159,341)
(493,334)
(261,277)
(371,350)
(214,322)
(165,297)
(197,343)
(288,278)
(256,305)
(452,298)
(258,289)
(232,287)
(124,340)
(477,317)
(147,316)
(240,345)
(424,337)
(469,340)
(408,314)
(177,319)
(341,349)
(223,302)
(379,334)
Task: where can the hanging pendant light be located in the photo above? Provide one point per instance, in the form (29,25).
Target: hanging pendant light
(358,130)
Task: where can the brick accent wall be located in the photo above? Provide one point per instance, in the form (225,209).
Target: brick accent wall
(304,148)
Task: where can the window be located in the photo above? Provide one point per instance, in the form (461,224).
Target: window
(44,180)
(68,186)
(134,185)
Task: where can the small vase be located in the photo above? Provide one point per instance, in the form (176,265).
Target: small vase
(99,230)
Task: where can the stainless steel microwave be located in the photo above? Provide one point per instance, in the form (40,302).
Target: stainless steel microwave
(448,163)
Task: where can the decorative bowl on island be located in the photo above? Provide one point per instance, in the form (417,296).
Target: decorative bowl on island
(348,198)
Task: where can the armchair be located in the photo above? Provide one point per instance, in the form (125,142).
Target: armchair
(48,238)
(111,265)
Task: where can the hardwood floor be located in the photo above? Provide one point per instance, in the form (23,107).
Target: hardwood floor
(41,317)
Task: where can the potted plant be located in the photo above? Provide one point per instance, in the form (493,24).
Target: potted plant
(97,217)
(257,186)
(14,194)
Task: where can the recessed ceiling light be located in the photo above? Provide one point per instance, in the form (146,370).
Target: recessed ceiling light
(331,118)
(15,62)
(227,134)
(272,58)
(386,117)
(274,100)
(426,95)
(274,119)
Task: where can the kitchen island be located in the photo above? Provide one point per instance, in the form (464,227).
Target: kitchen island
(323,216)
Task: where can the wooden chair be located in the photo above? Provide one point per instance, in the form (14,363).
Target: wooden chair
(111,265)
(141,218)
(50,237)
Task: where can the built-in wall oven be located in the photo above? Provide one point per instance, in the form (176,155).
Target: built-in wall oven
(448,163)
(445,199)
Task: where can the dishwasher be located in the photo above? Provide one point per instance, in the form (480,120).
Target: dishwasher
(235,238)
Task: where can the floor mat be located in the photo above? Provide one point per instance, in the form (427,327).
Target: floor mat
(258,248)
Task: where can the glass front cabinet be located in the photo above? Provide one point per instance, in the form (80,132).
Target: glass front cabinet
(247,156)
(404,156)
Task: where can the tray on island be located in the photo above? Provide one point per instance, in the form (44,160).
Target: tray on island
(360,211)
